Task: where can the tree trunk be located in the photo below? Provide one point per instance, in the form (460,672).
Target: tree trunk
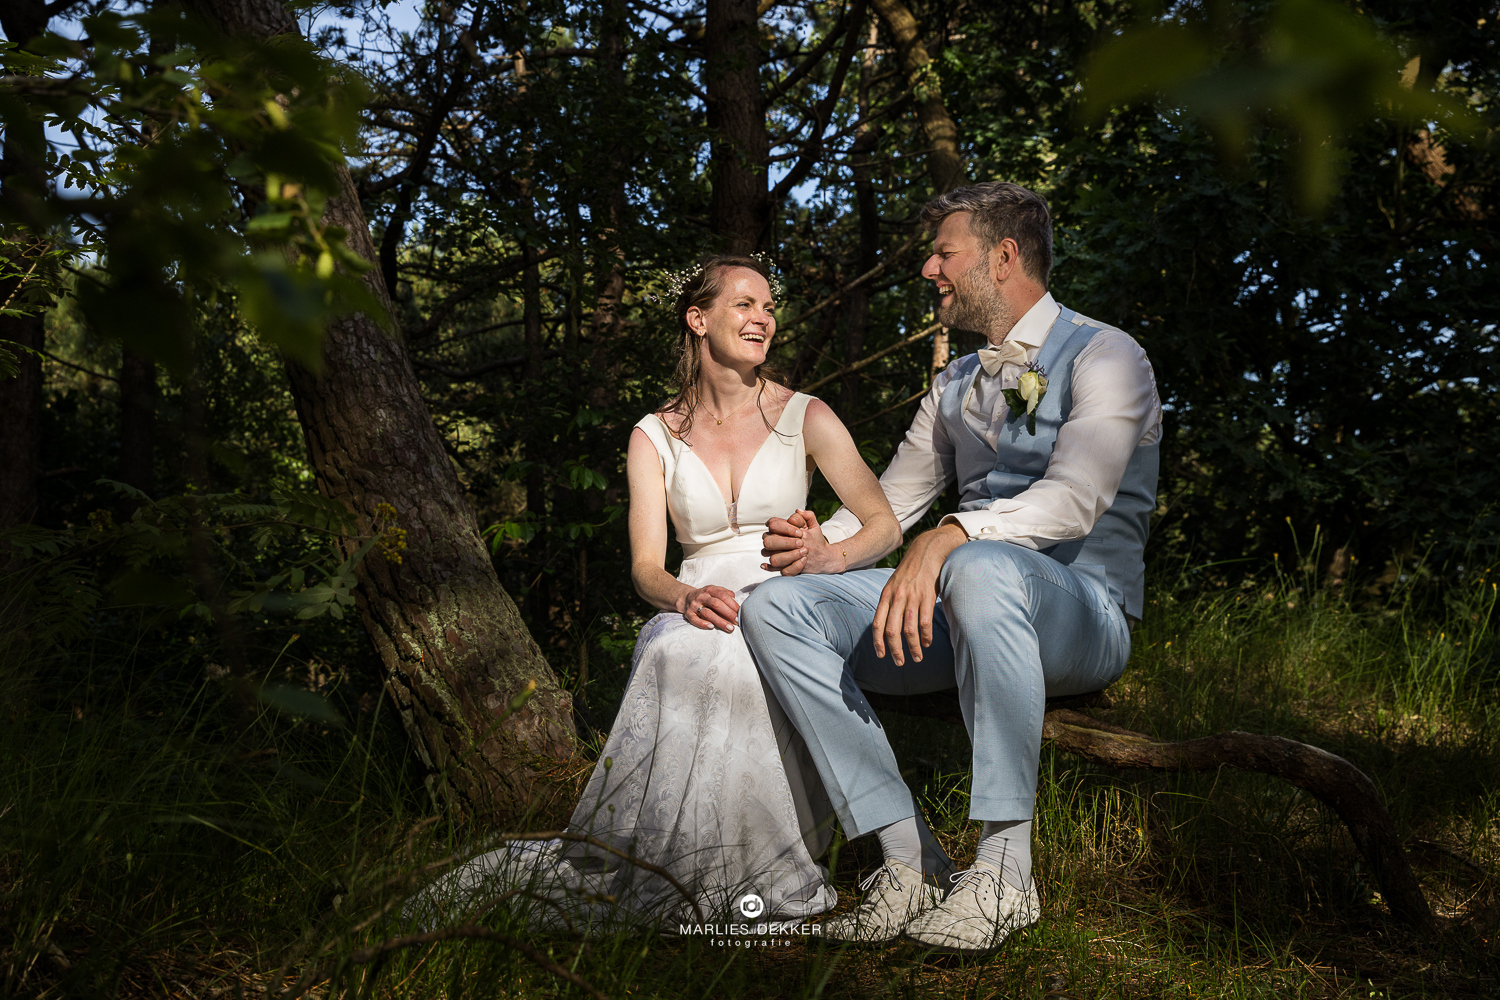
(610,213)
(21,416)
(21,177)
(868,210)
(455,650)
(137,422)
(944,163)
(538,598)
(741,148)
(941,348)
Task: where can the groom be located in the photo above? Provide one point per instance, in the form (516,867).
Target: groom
(1025,592)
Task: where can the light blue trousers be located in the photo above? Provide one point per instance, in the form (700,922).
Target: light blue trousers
(1012,628)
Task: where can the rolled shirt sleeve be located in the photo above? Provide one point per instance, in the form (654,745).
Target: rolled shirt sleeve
(1115,409)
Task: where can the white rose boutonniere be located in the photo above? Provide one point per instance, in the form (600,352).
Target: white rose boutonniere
(1028,395)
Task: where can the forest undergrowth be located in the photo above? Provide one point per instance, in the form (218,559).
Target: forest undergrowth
(163,835)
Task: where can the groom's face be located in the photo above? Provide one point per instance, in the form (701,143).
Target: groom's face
(960,268)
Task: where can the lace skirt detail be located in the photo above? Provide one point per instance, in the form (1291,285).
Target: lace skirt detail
(694,778)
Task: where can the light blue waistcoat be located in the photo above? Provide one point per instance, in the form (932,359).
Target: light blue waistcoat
(1117,543)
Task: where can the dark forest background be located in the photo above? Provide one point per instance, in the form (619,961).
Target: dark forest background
(529,177)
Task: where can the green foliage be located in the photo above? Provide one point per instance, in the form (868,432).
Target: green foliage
(171,119)
(1336,369)
(1318,67)
(191,556)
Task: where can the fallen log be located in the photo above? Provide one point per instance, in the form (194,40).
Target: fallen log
(1330,779)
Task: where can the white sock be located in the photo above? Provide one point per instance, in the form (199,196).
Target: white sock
(1006,847)
(936,865)
(901,841)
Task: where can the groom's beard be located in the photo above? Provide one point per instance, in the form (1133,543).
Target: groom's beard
(976,307)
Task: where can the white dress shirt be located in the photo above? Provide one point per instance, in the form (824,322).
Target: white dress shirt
(1115,410)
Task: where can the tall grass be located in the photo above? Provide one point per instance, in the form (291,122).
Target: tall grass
(158,837)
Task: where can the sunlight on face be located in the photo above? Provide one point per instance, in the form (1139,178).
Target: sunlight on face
(738,327)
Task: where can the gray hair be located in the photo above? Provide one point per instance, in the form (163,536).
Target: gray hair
(1000,210)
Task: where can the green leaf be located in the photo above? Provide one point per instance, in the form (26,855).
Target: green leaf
(311,507)
(143,312)
(270,221)
(296,702)
(1139,63)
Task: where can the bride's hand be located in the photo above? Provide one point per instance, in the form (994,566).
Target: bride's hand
(710,607)
(796,545)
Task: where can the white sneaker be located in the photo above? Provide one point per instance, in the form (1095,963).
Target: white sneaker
(979,913)
(894,896)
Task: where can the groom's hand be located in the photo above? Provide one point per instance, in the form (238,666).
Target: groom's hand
(782,544)
(907,602)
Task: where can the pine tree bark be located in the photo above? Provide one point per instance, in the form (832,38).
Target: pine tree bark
(609,292)
(454,648)
(868,211)
(945,165)
(741,147)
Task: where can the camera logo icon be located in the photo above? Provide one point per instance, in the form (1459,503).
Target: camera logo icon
(751,906)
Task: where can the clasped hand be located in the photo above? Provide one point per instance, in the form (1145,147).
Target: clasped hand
(793,545)
(796,545)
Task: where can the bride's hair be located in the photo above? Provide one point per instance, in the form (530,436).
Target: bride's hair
(701,289)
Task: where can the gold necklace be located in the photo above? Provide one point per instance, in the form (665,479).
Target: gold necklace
(720,420)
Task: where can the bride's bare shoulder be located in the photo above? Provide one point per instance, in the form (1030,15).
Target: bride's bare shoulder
(672,417)
(780,393)
(775,398)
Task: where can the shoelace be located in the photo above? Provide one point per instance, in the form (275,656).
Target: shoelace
(883,870)
(972,877)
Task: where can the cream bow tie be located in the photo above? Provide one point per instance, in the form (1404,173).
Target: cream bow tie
(993,357)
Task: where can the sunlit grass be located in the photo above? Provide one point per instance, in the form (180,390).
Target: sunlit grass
(158,838)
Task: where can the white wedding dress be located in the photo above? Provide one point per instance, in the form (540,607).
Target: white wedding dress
(702,775)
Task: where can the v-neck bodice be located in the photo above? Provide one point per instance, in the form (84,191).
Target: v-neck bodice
(774,485)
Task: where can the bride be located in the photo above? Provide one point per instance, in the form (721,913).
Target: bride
(702,775)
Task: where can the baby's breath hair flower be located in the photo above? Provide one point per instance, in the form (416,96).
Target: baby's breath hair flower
(678,280)
(771,276)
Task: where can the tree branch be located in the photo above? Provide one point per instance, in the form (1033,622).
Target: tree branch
(814,56)
(1330,779)
(813,147)
(873,272)
(870,359)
